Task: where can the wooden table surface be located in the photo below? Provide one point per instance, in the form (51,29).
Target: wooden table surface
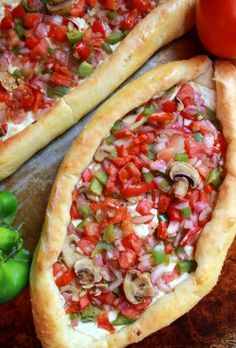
(211,324)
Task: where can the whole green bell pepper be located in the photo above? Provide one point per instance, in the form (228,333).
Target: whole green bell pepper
(10,240)
(8,207)
(14,275)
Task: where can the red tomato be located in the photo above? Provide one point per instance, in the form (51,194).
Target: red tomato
(78,9)
(216,25)
(87,244)
(127,259)
(38,102)
(98,27)
(169,106)
(104,323)
(6,23)
(31,42)
(91,3)
(74,213)
(82,50)
(129,171)
(92,230)
(161,117)
(133,242)
(18,12)
(31,20)
(57,267)
(73,308)
(123,132)
(84,302)
(137,190)
(130,21)
(87,175)
(60,80)
(166,155)
(66,278)
(162,226)
(58,34)
(142,138)
(186,94)
(174,214)
(164,202)
(144,206)
(26,97)
(142,5)
(40,50)
(192,147)
(110,4)
(108,297)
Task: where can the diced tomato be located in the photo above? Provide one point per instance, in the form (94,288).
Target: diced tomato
(58,34)
(122,151)
(26,97)
(129,171)
(57,267)
(6,23)
(161,117)
(87,244)
(137,190)
(208,188)
(162,227)
(151,136)
(170,276)
(174,214)
(123,132)
(110,4)
(133,242)
(38,102)
(103,322)
(142,5)
(74,213)
(60,80)
(190,236)
(72,308)
(166,155)
(116,219)
(78,9)
(13,38)
(127,259)
(18,12)
(111,187)
(203,170)
(111,169)
(192,147)
(220,144)
(91,3)
(121,161)
(87,175)
(108,297)
(92,230)
(84,302)
(31,20)
(193,197)
(168,248)
(186,94)
(98,27)
(203,196)
(164,202)
(142,138)
(130,21)
(133,311)
(144,206)
(82,49)
(139,117)
(40,50)
(31,42)
(66,278)
(169,106)
(143,148)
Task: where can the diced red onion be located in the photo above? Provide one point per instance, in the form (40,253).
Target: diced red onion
(163,286)
(62,57)
(173,228)
(126,142)
(208,141)
(157,272)
(118,244)
(74,322)
(200,206)
(205,214)
(71,229)
(41,30)
(97,260)
(56,19)
(144,219)
(144,158)
(115,284)
(182,205)
(159,165)
(188,224)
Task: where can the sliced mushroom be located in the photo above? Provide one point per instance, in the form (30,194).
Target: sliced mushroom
(8,81)
(87,274)
(184,175)
(69,255)
(137,286)
(60,6)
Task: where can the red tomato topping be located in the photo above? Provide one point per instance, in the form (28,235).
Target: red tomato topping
(40,50)
(133,242)
(87,244)
(91,3)
(98,27)
(130,21)
(26,97)
(144,206)
(82,50)
(169,106)
(6,23)
(162,227)
(92,230)
(58,34)
(78,9)
(142,5)
(31,42)
(161,117)
(74,213)
(108,297)
(57,267)
(164,202)
(60,80)
(137,190)
(18,12)
(31,20)
(104,323)
(84,302)
(66,278)
(110,4)
(87,175)
(186,94)
(127,259)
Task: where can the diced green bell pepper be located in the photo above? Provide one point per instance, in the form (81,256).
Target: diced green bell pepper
(100,247)
(110,139)
(158,254)
(186,212)
(148,177)
(198,137)
(89,314)
(149,110)
(109,234)
(74,36)
(113,154)
(106,47)
(115,37)
(186,266)
(85,69)
(151,154)
(84,209)
(18,74)
(181,157)
(96,187)
(111,14)
(117,126)
(214,177)
(59,90)
(101,176)
(20,30)
(122,320)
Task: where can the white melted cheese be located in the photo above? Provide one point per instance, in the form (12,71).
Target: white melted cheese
(80,22)
(208,95)
(143,230)
(11,68)
(16,128)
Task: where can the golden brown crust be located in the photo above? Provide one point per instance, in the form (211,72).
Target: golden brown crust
(51,323)
(165,23)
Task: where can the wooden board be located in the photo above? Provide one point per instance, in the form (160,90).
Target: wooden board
(212,323)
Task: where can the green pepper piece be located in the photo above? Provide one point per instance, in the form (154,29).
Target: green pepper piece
(111,14)
(51,51)
(158,254)
(181,157)
(198,137)
(106,47)
(186,212)
(20,30)
(109,234)
(18,21)
(14,273)
(117,126)
(165,185)
(85,69)
(18,74)
(101,176)
(27,5)
(59,90)
(110,139)
(187,266)
(149,110)
(74,36)
(116,291)
(115,37)
(100,247)
(8,207)
(214,177)
(96,187)
(74,316)
(163,217)
(10,240)
(84,209)
(151,154)
(113,154)
(148,177)
(122,320)
(89,314)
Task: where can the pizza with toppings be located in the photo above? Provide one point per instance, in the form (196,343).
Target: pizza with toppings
(59,59)
(140,216)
